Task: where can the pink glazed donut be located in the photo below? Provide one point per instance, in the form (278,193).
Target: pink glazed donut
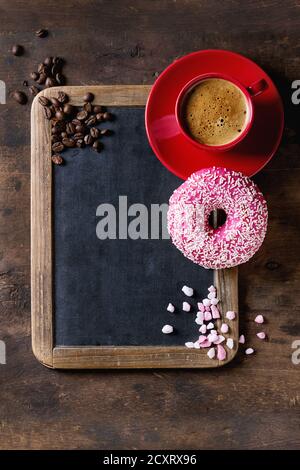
(235,241)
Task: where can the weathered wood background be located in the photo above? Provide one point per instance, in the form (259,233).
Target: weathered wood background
(255,401)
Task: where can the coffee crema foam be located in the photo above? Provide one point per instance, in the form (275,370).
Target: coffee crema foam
(215,112)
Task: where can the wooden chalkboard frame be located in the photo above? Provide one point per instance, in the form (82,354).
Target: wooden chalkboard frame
(42,313)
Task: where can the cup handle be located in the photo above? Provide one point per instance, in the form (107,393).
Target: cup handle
(258,87)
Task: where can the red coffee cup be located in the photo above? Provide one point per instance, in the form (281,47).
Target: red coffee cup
(249,93)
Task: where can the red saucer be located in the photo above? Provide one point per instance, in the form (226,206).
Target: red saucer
(182,157)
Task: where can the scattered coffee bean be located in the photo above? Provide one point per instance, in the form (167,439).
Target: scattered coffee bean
(50,82)
(69,109)
(79,128)
(105,132)
(55,138)
(48,61)
(88,139)
(70,128)
(42,79)
(67,142)
(64,135)
(57,159)
(76,122)
(80,143)
(44,101)
(91,121)
(107,116)
(97,146)
(25,83)
(19,97)
(35,76)
(58,61)
(60,115)
(78,136)
(41,68)
(60,79)
(41,33)
(98,109)
(17,50)
(58,147)
(88,107)
(100,117)
(55,102)
(33,90)
(82,115)
(48,112)
(94,132)
(62,97)
(88,97)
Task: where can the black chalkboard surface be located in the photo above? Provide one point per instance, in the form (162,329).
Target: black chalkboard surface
(115,291)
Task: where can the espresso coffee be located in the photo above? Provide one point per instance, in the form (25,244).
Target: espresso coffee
(215,112)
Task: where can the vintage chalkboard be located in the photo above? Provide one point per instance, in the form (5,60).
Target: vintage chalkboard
(100,300)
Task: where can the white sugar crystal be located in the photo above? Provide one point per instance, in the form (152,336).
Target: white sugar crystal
(249,351)
(210,326)
(187,291)
(211,353)
(206,302)
(199,321)
(211,289)
(203,329)
(242,339)
(211,295)
(224,328)
(189,344)
(229,343)
(196,345)
(186,307)
(214,301)
(171,308)
(167,329)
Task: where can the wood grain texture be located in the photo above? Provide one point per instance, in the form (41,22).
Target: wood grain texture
(253,402)
(42,218)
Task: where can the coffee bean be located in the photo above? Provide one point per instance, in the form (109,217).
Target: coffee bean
(63,135)
(42,78)
(44,101)
(97,146)
(82,115)
(41,68)
(105,132)
(41,33)
(100,117)
(57,159)
(98,109)
(61,80)
(69,109)
(76,122)
(55,138)
(68,142)
(58,147)
(88,97)
(35,76)
(50,82)
(48,112)
(62,97)
(48,61)
(88,139)
(78,136)
(70,128)
(55,102)
(25,83)
(19,97)
(17,50)
(58,61)
(91,120)
(33,90)
(107,116)
(94,132)
(60,115)
(80,128)
(88,107)
(80,143)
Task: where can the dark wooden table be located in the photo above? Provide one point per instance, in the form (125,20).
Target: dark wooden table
(255,401)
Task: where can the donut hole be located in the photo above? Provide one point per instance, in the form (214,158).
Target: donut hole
(217,218)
